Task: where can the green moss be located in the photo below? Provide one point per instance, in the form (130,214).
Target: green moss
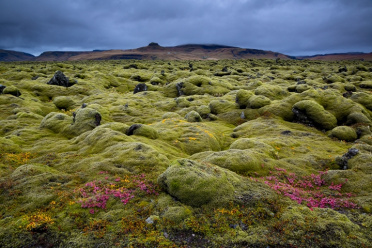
(344,133)
(362,162)
(239,161)
(66,155)
(8,146)
(100,138)
(12,90)
(193,116)
(169,115)
(337,105)
(123,157)
(64,102)
(242,98)
(257,102)
(302,87)
(203,111)
(357,117)
(116,126)
(363,99)
(273,92)
(333,79)
(85,120)
(282,109)
(334,228)
(56,122)
(177,214)
(350,87)
(197,184)
(182,102)
(252,143)
(146,131)
(317,114)
(221,106)
(366,85)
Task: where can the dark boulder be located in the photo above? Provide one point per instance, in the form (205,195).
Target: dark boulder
(347,94)
(286,132)
(140,88)
(179,87)
(98,119)
(60,79)
(133,128)
(2,87)
(343,161)
(301,117)
(342,69)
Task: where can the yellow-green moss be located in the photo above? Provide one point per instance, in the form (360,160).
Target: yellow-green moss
(317,114)
(344,133)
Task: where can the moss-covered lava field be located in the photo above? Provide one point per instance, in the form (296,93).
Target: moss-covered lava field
(229,153)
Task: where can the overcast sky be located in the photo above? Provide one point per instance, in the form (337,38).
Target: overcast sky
(293,27)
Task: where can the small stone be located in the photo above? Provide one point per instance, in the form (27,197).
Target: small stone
(2,87)
(149,220)
(140,88)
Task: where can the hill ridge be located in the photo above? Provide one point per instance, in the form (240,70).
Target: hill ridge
(191,51)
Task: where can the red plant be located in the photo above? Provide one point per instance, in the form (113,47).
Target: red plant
(95,195)
(308,190)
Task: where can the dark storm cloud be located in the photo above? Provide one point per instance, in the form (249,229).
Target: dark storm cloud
(288,26)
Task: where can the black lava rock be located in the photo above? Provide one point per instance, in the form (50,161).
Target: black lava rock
(60,79)
(343,69)
(342,162)
(286,132)
(2,87)
(133,128)
(98,118)
(301,117)
(140,88)
(179,87)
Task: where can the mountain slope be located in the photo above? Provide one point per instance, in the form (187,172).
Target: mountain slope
(183,52)
(8,55)
(339,56)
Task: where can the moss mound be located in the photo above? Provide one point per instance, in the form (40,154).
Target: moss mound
(239,161)
(197,184)
(316,113)
(193,116)
(363,99)
(242,98)
(251,143)
(143,130)
(257,102)
(86,119)
(12,90)
(57,122)
(344,133)
(221,106)
(63,102)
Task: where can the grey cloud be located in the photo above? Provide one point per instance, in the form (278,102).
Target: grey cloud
(288,26)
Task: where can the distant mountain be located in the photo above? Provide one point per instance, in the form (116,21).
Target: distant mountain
(183,52)
(155,51)
(57,56)
(8,55)
(339,56)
